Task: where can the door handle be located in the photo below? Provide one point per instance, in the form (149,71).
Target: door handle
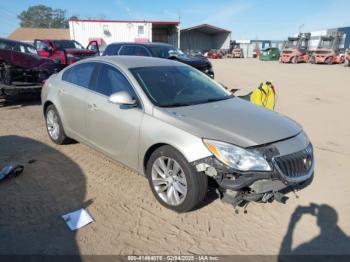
(92,107)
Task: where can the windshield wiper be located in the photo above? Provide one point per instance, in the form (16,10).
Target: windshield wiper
(216,99)
(175,105)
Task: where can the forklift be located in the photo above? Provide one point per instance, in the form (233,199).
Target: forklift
(296,49)
(329,50)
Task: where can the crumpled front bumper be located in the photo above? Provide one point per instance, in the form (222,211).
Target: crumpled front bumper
(291,168)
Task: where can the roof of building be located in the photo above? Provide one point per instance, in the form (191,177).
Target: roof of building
(29,34)
(126,21)
(207,29)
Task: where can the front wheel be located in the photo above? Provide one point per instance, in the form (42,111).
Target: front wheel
(312,60)
(295,60)
(329,61)
(54,126)
(173,181)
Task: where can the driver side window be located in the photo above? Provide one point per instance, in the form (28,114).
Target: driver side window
(111,80)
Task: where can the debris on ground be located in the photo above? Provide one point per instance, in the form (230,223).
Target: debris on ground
(77,219)
(11,170)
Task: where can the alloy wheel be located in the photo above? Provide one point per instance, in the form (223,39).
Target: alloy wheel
(52,124)
(169,180)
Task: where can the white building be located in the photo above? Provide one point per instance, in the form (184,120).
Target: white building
(110,31)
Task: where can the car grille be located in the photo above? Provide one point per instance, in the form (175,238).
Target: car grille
(297,164)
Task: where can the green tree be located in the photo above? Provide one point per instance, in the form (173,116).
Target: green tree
(43,17)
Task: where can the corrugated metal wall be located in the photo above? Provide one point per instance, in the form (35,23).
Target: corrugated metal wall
(195,40)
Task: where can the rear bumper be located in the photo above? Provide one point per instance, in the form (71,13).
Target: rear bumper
(17,90)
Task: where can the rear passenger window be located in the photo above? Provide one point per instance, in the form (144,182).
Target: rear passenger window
(112,50)
(110,81)
(79,74)
(133,50)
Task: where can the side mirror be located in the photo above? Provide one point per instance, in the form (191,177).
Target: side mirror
(122,98)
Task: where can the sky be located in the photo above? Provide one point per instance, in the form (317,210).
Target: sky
(247,19)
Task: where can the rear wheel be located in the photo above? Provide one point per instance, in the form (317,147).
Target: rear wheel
(173,181)
(54,126)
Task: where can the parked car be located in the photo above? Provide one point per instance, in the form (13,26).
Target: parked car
(270,54)
(65,52)
(160,50)
(178,127)
(22,70)
(214,54)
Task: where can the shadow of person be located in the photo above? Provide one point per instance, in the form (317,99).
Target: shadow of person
(331,240)
(31,204)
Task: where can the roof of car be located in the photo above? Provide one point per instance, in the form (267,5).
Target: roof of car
(14,42)
(143,43)
(127,62)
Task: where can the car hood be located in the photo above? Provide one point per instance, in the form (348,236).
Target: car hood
(193,61)
(233,120)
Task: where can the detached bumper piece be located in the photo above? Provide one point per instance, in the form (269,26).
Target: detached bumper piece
(290,172)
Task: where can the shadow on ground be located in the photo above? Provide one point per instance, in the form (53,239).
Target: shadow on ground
(331,240)
(31,204)
(29,100)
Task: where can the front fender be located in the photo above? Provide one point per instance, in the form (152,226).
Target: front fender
(154,131)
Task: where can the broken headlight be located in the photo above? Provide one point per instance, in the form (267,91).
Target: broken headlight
(236,157)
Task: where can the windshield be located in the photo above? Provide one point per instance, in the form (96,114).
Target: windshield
(165,51)
(292,44)
(172,86)
(326,44)
(65,44)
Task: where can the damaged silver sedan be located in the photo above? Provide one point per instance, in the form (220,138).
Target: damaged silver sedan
(177,126)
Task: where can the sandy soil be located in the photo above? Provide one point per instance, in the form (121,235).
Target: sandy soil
(128,220)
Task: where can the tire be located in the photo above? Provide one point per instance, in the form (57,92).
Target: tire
(54,126)
(7,79)
(312,60)
(346,63)
(194,185)
(294,60)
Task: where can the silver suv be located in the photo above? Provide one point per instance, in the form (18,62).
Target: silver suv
(177,126)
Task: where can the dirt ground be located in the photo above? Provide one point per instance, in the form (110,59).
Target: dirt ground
(128,220)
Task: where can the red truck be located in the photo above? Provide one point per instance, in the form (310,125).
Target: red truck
(65,52)
(296,49)
(328,50)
